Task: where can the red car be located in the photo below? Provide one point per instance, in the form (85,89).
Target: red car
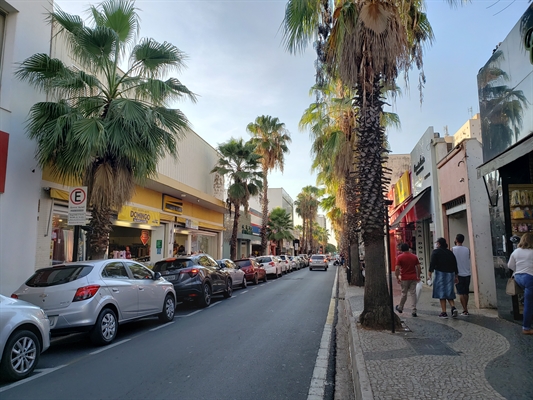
(253,271)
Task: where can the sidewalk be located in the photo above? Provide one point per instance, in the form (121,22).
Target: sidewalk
(476,357)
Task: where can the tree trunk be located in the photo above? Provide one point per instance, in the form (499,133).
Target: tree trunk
(264,239)
(99,234)
(233,240)
(371,201)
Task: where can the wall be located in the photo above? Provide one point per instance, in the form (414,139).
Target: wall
(26,33)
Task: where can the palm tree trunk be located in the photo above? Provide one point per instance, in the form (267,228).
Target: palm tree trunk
(264,223)
(99,234)
(371,201)
(233,240)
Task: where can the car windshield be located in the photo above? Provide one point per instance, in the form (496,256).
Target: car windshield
(243,263)
(263,260)
(58,275)
(171,265)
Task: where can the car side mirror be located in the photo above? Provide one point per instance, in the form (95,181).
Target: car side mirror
(157,276)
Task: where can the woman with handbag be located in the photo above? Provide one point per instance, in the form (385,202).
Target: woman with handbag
(521,262)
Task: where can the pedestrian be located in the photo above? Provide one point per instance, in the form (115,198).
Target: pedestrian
(444,265)
(462,255)
(521,262)
(408,275)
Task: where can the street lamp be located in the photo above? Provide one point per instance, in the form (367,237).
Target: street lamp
(389,266)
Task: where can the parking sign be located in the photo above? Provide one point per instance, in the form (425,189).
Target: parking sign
(77,206)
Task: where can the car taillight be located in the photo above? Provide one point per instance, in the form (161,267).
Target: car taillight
(271,263)
(85,292)
(191,271)
(14,296)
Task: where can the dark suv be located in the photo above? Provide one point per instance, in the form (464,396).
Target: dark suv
(197,277)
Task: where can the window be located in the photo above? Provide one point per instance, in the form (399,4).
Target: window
(58,275)
(115,270)
(140,271)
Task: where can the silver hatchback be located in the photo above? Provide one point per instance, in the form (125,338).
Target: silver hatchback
(318,261)
(97,296)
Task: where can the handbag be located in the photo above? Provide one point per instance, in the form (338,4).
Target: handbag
(418,290)
(512,288)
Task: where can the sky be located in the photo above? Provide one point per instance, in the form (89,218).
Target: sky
(239,68)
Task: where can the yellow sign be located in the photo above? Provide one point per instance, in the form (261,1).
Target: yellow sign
(139,216)
(172,205)
(402,189)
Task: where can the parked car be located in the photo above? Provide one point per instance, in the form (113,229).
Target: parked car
(301,261)
(96,296)
(305,258)
(253,270)
(24,335)
(237,275)
(196,278)
(318,261)
(295,263)
(284,261)
(271,265)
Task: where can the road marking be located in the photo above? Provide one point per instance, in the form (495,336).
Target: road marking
(161,326)
(246,291)
(40,372)
(213,304)
(109,346)
(318,382)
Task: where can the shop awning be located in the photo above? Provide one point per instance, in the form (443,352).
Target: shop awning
(519,149)
(408,208)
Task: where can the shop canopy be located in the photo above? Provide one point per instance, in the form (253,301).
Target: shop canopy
(409,208)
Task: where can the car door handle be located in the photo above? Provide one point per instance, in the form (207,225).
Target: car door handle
(141,288)
(115,290)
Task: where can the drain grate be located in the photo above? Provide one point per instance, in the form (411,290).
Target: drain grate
(430,347)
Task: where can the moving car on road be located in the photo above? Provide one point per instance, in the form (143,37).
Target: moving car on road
(24,335)
(197,278)
(318,261)
(96,296)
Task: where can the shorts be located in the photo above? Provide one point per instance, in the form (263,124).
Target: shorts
(463,286)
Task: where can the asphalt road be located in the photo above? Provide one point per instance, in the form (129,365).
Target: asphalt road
(261,344)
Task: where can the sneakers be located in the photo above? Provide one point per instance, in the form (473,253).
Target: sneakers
(414,314)
(454,312)
(398,309)
(465,314)
(527,332)
(443,315)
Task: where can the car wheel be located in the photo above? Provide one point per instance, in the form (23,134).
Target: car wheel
(106,327)
(205,299)
(244,282)
(256,280)
(229,289)
(265,279)
(310,269)
(21,355)
(169,309)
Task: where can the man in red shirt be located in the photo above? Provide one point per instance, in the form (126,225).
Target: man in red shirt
(408,275)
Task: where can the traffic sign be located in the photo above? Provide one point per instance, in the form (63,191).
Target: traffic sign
(77,206)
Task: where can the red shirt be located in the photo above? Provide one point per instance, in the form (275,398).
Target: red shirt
(407,263)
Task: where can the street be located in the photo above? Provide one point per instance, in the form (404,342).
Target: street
(260,344)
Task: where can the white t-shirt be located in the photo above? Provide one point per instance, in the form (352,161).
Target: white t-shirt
(462,255)
(521,261)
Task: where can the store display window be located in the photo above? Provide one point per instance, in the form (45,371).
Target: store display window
(130,243)
(62,243)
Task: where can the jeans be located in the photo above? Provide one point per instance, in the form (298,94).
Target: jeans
(525,281)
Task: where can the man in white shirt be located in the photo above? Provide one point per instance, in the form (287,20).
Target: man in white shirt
(462,255)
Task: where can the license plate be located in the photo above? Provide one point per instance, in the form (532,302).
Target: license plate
(170,277)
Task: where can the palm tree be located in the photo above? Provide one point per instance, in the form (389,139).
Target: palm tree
(307,203)
(365,44)
(240,164)
(102,126)
(270,138)
(279,226)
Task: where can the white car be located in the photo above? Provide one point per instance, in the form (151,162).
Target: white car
(271,265)
(285,264)
(24,335)
(238,277)
(318,261)
(96,296)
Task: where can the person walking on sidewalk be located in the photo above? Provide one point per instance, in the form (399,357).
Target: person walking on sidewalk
(408,275)
(462,255)
(521,262)
(444,265)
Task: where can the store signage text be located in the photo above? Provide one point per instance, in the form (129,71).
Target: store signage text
(419,166)
(172,205)
(139,216)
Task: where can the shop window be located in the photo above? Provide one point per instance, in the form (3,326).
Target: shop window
(129,243)
(62,240)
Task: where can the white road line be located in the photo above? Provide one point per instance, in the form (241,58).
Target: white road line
(109,346)
(161,326)
(246,291)
(214,304)
(318,382)
(37,373)
(188,315)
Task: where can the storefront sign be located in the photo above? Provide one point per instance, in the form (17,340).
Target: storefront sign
(402,189)
(145,236)
(172,205)
(77,206)
(139,216)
